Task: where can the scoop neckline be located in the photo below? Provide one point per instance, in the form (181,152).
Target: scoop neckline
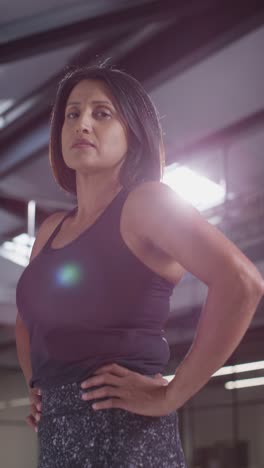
(48,247)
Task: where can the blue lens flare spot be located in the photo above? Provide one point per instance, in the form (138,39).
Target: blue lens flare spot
(69,274)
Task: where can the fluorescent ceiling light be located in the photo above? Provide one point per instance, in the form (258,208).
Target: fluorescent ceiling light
(19,402)
(200,191)
(18,250)
(231,385)
(5,104)
(15,402)
(249,366)
(227,370)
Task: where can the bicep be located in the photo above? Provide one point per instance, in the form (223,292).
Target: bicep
(178,229)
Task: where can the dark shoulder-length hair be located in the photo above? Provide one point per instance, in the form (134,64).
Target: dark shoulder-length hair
(145,158)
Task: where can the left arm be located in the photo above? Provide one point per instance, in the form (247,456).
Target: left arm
(235,286)
(225,317)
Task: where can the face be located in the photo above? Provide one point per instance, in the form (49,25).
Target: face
(90,114)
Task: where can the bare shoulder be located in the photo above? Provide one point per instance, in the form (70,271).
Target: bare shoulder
(44,232)
(155,212)
(147,209)
(139,211)
(147,206)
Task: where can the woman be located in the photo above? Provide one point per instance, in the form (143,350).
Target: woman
(95,296)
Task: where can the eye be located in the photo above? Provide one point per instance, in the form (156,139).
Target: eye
(71,113)
(103,113)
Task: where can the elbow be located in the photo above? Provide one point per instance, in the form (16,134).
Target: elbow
(252,284)
(242,279)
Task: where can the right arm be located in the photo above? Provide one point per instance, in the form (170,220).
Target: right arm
(21,332)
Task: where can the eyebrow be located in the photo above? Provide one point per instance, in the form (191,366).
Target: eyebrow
(72,103)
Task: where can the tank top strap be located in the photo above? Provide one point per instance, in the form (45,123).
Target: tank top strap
(56,230)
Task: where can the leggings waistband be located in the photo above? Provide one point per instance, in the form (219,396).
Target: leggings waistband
(66,398)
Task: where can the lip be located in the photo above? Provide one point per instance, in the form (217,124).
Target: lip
(81,143)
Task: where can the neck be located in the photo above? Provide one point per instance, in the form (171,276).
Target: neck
(93,195)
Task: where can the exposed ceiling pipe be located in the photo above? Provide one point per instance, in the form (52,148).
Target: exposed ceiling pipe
(31,218)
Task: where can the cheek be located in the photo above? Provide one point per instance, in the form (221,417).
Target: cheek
(118,138)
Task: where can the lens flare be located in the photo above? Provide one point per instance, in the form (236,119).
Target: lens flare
(69,274)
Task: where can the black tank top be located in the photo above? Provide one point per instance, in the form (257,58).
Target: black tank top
(93,302)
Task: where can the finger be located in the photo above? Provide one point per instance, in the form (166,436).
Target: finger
(35,401)
(34,410)
(31,422)
(102,392)
(37,417)
(161,379)
(158,380)
(165,381)
(105,378)
(39,406)
(110,403)
(36,390)
(115,369)
(160,376)
(35,394)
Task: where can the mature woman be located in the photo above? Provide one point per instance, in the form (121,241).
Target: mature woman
(94,299)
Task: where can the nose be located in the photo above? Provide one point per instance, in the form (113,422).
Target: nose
(84,125)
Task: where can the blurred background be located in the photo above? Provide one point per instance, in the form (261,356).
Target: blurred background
(202,63)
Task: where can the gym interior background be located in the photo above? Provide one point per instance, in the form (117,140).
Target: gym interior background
(202,63)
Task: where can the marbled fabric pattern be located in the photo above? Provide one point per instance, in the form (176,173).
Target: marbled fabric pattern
(72,435)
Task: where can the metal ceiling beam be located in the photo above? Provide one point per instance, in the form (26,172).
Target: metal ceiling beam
(17,152)
(58,17)
(76,23)
(197,22)
(222,138)
(192,38)
(60,27)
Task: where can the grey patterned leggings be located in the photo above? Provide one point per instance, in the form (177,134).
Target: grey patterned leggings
(72,435)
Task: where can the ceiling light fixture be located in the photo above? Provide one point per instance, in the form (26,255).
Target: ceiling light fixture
(200,191)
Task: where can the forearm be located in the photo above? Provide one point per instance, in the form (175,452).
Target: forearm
(23,351)
(224,320)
